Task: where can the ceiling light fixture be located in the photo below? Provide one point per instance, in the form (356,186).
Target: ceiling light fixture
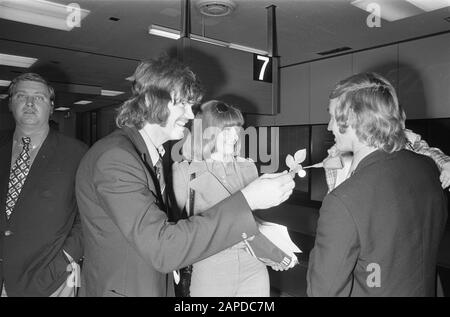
(16,61)
(62,109)
(208,40)
(175,34)
(389,10)
(82,102)
(43,13)
(4,83)
(427,5)
(111,93)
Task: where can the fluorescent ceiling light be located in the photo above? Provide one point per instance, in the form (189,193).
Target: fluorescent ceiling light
(164,32)
(82,102)
(175,34)
(43,13)
(16,61)
(111,93)
(389,10)
(247,49)
(62,109)
(430,5)
(4,83)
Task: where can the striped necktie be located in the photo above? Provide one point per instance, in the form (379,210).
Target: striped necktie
(18,175)
(160,175)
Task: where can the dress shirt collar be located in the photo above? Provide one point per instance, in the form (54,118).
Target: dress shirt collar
(155,153)
(36,138)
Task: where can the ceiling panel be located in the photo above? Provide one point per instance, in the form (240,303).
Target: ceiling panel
(103,52)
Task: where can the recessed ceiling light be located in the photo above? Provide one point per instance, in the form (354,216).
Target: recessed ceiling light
(16,61)
(62,109)
(111,93)
(82,102)
(216,8)
(4,83)
(43,13)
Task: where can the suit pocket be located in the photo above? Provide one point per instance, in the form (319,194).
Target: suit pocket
(58,267)
(46,273)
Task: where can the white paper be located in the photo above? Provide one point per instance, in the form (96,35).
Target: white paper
(279,236)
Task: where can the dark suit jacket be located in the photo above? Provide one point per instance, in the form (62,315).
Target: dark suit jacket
(45,219)
(129,244)
(392,212)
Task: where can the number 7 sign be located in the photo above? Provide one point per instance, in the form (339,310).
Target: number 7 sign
(262,68)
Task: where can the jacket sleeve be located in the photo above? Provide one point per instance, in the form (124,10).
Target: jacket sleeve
(335,251)
(124,194)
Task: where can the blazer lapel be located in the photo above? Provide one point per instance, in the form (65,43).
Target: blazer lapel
(139,144)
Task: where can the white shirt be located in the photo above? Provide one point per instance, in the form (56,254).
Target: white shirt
(155,153)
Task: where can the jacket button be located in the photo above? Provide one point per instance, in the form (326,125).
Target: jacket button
(8,233)
(244,236)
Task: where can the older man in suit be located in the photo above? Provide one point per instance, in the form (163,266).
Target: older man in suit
(39,223)
(379,231)
(130,243)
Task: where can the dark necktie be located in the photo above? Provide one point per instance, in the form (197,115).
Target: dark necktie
(160,175)
(18,175)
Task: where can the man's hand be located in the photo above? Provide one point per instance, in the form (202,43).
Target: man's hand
(269,190)
(445,175)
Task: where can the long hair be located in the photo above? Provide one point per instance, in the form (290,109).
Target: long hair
(156,82)
(213,116)
(368,103)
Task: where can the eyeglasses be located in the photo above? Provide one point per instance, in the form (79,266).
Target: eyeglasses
(20,97)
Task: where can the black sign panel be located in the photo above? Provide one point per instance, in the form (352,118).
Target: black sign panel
(262,68)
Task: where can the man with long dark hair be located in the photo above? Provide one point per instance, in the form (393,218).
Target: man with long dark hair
(130,244)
